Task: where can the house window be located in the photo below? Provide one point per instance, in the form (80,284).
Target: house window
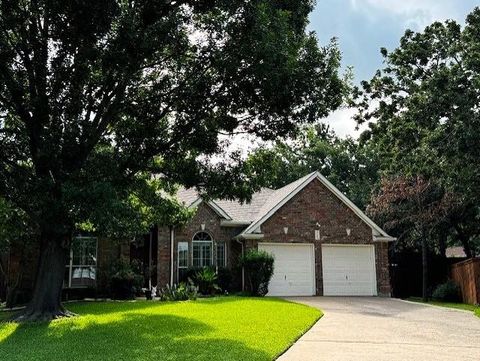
(182,260)
(202,250)
(221,254)
(81,270)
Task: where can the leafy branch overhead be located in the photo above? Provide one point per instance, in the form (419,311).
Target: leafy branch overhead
(424,117)
(106,106)
(93,94)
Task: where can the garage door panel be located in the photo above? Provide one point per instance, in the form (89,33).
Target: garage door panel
(293,269)
(348,270)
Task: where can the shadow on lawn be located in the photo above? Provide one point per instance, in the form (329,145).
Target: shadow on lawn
(101,308)
(128,336)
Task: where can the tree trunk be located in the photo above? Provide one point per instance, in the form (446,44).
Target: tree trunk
(46,300)
(442,244)
(424,269)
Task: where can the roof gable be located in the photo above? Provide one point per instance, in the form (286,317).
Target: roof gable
(266,202)
(283,195)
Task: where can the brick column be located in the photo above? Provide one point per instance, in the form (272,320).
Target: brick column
(382,266)
(163,261)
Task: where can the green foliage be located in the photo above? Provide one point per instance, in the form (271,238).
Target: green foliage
(125,280)
(130,90)
(181,292)
(424,119)
(224,279)
(105,106)
(258,266)
(351,167)
(216,329)
(447,292)
(15,227)
(206,280)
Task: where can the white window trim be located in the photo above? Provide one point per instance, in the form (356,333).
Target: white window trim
(224,254)
(71,266)
(178,257)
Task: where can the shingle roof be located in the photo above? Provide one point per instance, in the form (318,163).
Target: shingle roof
(241,212)
(265,202)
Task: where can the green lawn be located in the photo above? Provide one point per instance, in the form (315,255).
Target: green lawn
(460,306)
(224,328)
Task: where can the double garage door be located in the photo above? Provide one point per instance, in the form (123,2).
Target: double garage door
(348,270)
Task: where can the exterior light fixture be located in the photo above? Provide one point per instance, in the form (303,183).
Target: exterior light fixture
(285,230)
(348,231)
(202,226)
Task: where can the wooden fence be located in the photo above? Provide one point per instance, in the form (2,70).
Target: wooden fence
(467,275)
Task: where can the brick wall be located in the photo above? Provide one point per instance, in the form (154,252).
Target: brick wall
(204,215)
(315,204)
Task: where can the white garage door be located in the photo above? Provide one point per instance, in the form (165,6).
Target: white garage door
(348,270)
(294,273)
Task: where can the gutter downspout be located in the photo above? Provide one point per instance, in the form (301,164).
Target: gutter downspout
(172,242)
(243,269)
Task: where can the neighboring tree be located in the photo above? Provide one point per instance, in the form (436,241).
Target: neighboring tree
(411,209)
(351,167)
(424,114)
(17,235)
(96,96)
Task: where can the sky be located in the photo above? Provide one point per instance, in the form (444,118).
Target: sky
(362,27)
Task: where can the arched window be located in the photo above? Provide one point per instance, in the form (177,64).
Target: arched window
(202,236)
(202,246)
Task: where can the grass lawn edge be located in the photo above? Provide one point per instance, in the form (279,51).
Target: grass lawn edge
(89,314)
(462,307)
(321,314)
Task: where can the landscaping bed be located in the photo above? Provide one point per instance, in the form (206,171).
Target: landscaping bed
(220,328)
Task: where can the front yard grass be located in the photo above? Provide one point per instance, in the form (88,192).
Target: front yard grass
(223,328)
(459,306)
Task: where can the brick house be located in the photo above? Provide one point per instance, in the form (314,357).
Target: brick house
(322,243)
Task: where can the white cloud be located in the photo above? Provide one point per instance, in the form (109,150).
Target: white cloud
(415,13)
(342,123)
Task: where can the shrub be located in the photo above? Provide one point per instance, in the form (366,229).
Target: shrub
(258,266)
(206,280)
(448,292)
(181,292)
(190,274)
(124,281)
(224,279)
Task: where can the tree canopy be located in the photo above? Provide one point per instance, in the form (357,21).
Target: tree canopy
(96,97)
(351,167)
(424,115)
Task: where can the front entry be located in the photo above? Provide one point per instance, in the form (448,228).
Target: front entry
(294,269)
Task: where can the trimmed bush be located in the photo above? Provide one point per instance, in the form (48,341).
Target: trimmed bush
(258,266)
(447,292)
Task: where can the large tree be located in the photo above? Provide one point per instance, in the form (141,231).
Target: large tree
(96,96)
(413,209)
(424,114)
(351,167)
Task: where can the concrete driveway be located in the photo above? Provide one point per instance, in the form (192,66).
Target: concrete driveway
(367,328)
